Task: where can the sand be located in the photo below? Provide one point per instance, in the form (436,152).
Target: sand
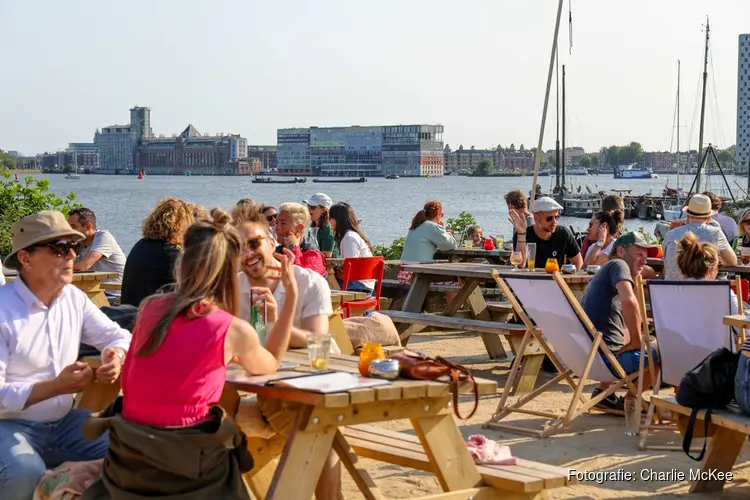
(594,442)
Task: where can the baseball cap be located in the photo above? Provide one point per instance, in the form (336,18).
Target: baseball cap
(319,200)
(546,204)
(638,240)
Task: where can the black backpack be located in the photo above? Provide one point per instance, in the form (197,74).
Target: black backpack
(710,385)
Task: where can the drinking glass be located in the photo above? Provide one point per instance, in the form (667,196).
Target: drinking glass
(632,415)
(499,242)
(551,266)
(530,255)
(516,258)
(318,349)
(468,244)
(369,353)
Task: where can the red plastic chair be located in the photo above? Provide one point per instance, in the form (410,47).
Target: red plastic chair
(745,289)
(363,268)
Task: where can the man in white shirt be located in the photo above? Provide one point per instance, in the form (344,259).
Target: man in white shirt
(43,319)
(311,315)
(100,250)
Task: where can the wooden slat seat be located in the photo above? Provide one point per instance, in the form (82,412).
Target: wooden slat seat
(397,285)
(526,477)
(465,324)
(728,431)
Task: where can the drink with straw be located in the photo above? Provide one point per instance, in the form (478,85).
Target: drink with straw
(530,255)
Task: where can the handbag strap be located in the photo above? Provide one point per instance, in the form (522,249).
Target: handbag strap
(688,439)
(455,372)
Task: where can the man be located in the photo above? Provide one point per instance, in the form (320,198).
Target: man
(100,251)
(610,203)
(43,318)
(552,241)
(728,224)
(611,305)
(259,278)
(516,200)
(291,223)
(699,222)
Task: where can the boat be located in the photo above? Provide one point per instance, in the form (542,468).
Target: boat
(633,171)
(342,181)
(141,174)
(73,175)
(395,176)
(268,180)
(576,171)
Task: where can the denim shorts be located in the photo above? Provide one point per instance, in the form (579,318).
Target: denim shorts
(631,360)
(742,385)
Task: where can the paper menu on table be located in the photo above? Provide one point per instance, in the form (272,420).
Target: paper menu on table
(242,377)
(330,382)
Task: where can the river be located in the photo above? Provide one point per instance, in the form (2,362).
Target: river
(384,207)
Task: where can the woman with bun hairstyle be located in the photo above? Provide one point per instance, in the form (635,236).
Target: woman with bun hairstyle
(426,236)
(603,230)
(699,260)
(168,426)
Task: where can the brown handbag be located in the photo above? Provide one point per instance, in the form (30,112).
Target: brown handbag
(417,366)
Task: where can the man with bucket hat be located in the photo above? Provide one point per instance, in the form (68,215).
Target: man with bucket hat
(699,222)
(43,319)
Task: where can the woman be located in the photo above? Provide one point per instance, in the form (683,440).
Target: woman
(699,260)
(351,243)
(150,264)
(743,234)
(180,443)
(603,230)
(290,230)
(426,236)
(318,205)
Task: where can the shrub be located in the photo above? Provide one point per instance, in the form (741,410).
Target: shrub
(21,198)
(392,252)
(461,224)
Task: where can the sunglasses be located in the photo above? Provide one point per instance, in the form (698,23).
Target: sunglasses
(255,243)
(550,218)
(269,218)
(61,248)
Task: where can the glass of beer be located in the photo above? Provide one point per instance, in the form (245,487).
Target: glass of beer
(530,255)
(318,349)
(516,258)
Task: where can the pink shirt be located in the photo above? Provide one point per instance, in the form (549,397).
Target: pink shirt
(175,386)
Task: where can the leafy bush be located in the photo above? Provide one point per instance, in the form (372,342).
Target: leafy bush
(392,252)
(461,224)
(21,198)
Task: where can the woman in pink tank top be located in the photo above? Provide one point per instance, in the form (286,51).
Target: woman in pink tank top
(175,370)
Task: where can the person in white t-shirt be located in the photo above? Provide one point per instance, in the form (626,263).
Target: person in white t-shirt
(604,229)
(351,243)
(100,250)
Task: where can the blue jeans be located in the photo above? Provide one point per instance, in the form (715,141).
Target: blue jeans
(631,360)
(28,449)
(355,286)
(742,384)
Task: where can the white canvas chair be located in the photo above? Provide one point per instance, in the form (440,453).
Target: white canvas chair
(688,326)
(547,300)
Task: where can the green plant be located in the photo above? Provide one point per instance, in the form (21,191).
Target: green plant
(392,252)
(462,223)
(21,198)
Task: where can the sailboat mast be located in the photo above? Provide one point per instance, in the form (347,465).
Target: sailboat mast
(678,125)
(557,129)
(703,109)
(562,150)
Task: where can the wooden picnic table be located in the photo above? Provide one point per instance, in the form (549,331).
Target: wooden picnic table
(497,257)
(318,428)
(90,282)
(658,265)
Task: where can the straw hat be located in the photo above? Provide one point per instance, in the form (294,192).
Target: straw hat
(699,206)
(46,225)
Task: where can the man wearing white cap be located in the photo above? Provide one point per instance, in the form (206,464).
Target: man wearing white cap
(699,222)
(552,241)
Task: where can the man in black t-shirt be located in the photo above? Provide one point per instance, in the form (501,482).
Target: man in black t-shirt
(552,241)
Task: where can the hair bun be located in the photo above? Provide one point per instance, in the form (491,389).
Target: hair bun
(220,219)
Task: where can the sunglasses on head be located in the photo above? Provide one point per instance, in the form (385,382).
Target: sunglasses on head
(255,243)
(269,218)
(61,248)
(550,218)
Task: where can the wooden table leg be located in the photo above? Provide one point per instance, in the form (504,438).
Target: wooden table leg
(447,452)
(414,302)
(531,363)
(94,292)
(721,454)
(361,477)
(492,341)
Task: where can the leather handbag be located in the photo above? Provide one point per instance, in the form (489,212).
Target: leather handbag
(417,366)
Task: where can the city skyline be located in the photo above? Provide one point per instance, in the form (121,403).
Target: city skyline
(251,68)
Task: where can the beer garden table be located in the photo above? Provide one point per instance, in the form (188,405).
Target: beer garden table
(497,257)
(91,282)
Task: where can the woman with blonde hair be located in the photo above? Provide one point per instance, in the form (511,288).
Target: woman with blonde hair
(699,260)
(150,264)
(175,372)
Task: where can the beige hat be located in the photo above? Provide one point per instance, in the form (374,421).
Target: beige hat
(46,225)
(699,206)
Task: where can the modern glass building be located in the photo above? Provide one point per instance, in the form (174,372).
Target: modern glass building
(742,154)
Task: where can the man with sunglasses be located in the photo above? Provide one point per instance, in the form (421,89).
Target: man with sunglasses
(552,241)
(43,319)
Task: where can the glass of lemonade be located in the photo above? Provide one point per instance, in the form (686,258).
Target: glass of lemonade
(318,349)
(468,244)
(499,242)
(530,255)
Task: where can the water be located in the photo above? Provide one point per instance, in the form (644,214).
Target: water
(384,207)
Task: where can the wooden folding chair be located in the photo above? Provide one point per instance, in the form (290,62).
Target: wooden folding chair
(578,347)
(688,325)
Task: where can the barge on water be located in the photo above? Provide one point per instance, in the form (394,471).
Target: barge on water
(344,181)
(268,180)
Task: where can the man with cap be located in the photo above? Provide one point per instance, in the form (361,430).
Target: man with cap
(611,304)
(43,319)
(320,231)
(699,222)
(552,241)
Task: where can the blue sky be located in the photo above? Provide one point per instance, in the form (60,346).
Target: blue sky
(479,67)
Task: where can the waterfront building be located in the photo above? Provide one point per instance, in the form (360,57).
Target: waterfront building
(660,161)
(266,155)
(86,155)
(194,153)
(406,150)
(574,155)
(118,144)
(520,161)
(467,160)
(742,155)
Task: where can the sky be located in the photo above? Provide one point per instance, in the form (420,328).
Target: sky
(479,67)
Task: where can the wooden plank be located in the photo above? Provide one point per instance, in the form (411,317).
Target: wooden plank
(361,477)
(726,417)
(417,293)
(481,493)
(467,288)
(450,322)
(388,392)
(722,452)
(376,411)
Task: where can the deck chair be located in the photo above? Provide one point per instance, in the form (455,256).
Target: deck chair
(688,326)
(547,300)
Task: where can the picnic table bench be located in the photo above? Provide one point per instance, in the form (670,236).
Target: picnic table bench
(91,282)
(728,431)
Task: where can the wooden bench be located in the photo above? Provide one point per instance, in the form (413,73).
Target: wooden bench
(397,285)
(525,480)
(727,432)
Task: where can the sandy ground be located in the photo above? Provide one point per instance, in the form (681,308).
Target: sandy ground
(594,442)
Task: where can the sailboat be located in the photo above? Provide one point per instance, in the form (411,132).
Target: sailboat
(674,212)
(74,175)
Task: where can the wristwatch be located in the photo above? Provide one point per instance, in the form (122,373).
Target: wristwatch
(599,244)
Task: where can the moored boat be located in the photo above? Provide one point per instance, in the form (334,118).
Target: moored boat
(342,181)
